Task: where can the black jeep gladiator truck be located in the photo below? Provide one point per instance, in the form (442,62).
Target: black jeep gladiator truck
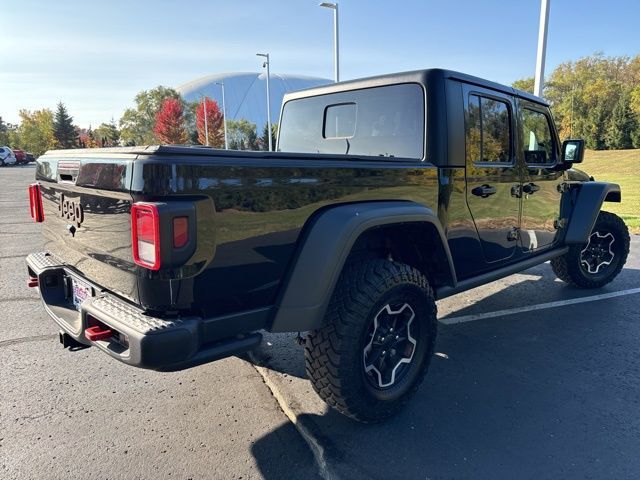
(384,195)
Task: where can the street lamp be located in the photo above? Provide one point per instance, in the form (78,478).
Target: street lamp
(336,45)
(542,47)
(266,64)
(206,123)
(224,116)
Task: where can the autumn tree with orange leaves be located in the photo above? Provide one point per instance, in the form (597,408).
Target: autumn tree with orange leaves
(170,123)
(215,124)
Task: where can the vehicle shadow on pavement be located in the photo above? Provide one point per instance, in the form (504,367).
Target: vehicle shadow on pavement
(274,463)
(545,394)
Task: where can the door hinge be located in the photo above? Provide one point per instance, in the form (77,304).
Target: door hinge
(516,191)
(513,234)
(559,223)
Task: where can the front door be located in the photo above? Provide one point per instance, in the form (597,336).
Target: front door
(492,176)
(539,153)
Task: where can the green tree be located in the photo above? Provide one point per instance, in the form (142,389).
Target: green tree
(36,131)
(622,125)
(136,124)
(584,93)
(63,128)
(634,103)
(190,121)
(9,134)
(4,128)
(524,84)
(242,135)
(107,134)
(593,128)
(264,138)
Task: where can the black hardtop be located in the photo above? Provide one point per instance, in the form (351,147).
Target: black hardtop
(422,77)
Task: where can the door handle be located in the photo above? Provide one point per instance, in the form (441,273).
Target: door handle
(484,191)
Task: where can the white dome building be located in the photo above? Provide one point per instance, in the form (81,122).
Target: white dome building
(246,93)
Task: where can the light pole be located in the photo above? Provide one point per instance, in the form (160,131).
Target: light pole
(336,44)
(224,117)
(206,123)
(542,47)
(266,64)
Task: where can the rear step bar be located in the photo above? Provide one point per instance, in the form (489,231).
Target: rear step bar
(131,335)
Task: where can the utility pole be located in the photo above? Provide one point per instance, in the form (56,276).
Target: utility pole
(224,117)
(336,38)
(266,64)
(542,47)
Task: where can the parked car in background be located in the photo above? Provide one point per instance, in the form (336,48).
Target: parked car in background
(21,156)
(30,157)
(7,157)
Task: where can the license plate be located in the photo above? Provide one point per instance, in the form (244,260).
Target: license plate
(81,291)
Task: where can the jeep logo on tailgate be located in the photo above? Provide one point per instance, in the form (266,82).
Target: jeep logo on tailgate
(71,210)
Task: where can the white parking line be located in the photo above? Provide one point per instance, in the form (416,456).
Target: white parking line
(541,306)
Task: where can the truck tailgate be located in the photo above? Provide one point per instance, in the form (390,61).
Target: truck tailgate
(87,224)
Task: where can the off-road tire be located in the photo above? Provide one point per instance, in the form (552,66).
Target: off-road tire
(334,353)
(569,267)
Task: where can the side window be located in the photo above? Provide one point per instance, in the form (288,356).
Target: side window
(488,130)
(537,139)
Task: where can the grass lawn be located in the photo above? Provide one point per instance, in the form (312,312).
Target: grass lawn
(622,167)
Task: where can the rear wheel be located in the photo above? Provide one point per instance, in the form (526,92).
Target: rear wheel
(599,261)
(379,337)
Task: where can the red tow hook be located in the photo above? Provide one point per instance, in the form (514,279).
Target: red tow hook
(97,333)
(32,282)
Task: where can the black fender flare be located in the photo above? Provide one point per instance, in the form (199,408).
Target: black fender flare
(324,250)
(589,200)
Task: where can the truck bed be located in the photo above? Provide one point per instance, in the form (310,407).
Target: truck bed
(251,211)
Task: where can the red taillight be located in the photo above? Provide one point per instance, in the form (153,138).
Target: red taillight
(35,203)
(180,231)
(145,235)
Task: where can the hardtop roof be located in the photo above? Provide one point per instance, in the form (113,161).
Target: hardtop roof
(423,77)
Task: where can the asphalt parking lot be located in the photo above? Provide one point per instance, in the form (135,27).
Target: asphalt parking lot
(551,390)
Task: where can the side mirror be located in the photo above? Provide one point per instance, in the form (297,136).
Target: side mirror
(572,151)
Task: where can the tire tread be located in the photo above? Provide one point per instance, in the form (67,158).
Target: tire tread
(359,287)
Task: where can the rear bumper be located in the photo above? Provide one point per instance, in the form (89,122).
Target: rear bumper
(137,338)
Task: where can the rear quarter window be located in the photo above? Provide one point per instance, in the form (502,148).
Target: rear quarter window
(386,121)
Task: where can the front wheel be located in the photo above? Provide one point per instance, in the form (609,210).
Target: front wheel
(599,261)
(377,344)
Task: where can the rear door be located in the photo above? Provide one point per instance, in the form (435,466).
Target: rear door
(491,170)
(539,153)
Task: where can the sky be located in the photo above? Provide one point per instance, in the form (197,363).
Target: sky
(95,55)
